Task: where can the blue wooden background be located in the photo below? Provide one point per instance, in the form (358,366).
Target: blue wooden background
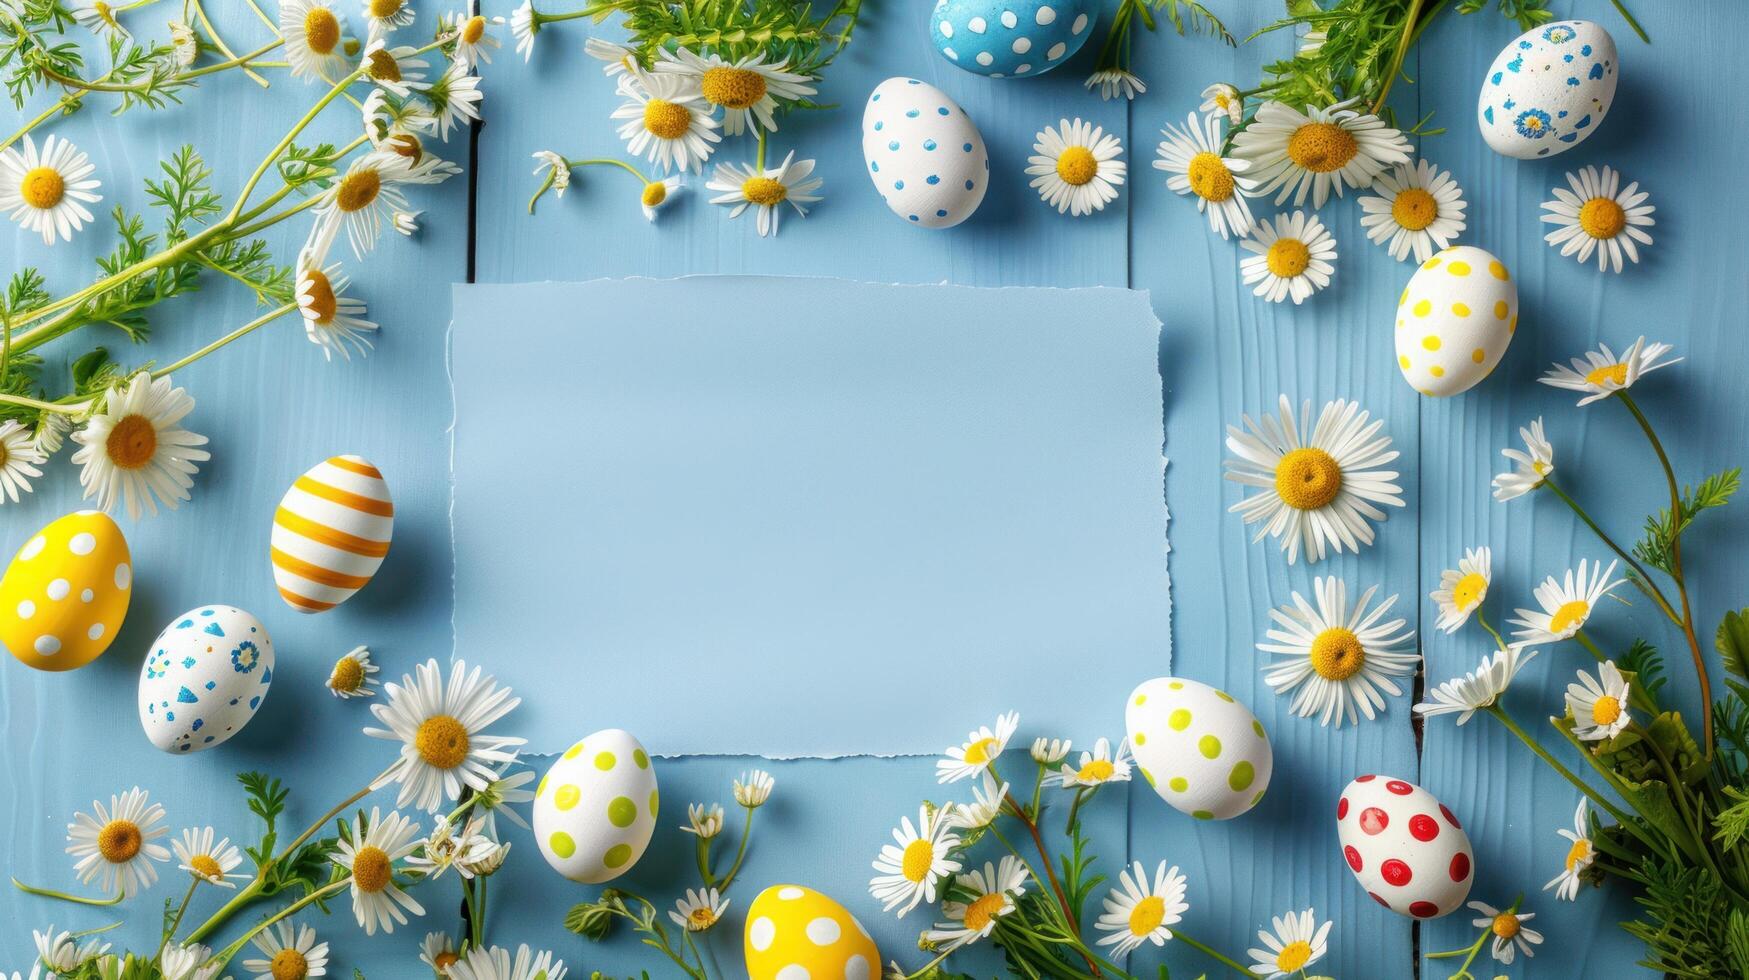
(273,407)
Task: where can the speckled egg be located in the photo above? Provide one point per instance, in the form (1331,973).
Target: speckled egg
(796,933)
(1000,38)
(1455,320)
(204,678)
(1201,750)
(595,809)
(925,156)
(1548,90)
(1404,846)
(66,592)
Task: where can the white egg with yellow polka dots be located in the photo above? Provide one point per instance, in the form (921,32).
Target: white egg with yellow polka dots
(797,933)
(1201,750)
(1455,320)
(595,809)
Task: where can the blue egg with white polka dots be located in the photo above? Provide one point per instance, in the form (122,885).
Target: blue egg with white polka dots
(1010,38)
(924,155)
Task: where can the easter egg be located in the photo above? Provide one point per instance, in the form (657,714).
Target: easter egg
(595,809)
(1455,320)
(795,932)
(1201,750)
(1404,847)
(204,677)
(66,592)
(1000,38)
(330,533)
(1548,90)
(924,155)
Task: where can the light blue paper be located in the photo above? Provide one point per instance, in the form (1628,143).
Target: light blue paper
(808,517)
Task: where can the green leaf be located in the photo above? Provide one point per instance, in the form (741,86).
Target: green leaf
(1732,823)
(1732,642)
(1657,544)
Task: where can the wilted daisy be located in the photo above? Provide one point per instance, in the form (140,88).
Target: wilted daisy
(134,450)
(369,853)
(754,788)
(1049,751)
(1580,854)
(978,751)
(746,89)
(474,42)
(116,842)
(1293,256)
(1318,480)
(51,432)
(1414,207)
(314,35)
(555,169)
(986,805)
(99,18)
(1311,152)
(383,16)
(1075,167)
(1462,589)
(47,192)
(1598,215)
(333,321)
(1599,705)
(1600,373)
(397,69)
(455,98)
(617,59)
(362,200)
(354,676)
(291,952)
(699,910)
(1137,913)
(18,458)
(524,25)
(1510,932)
(191,962)
(768,190)
(496,963)
(987,895)
(916,861)
(406,222)
(1566,604)
(501,795)
(666,120)
(211,862)
(1338,657)
(1113,82)
(1297,942)
(1530,466)
(446,848)
(441,729)
(1097,767)
(657,193)
(387,116)
(61,952)
(1222,101)
(184,44)
(703,821)
(1192,156)
(437,951)
(1478,689)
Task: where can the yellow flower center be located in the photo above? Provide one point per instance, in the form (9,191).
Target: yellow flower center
(1307,479)
(473,30)
(702,918)
(131,445)
(1609,374)
(358,190)
(1505,925)
(978,753)
(442,741)
(119,841)
(386,8)
(1602,218)
(668,120)
(764,190)
(205,866)
(1571,615)
(1469,591)
(1336,654)
(320,304)
(445,960)
(1288,257)
(371,871)
(348,674)
(1077,166)
(289,964)
(1293,956)
(42,188)
(405,145)
(1147,915)
(321,30)
(982,912)
(654,194)
(1322,147)
(1414,209)
(1096,771)
(1605,710)
(1209,177)
(919,858)
(1578,854)
(1223,101)
(383,66)
(732,88)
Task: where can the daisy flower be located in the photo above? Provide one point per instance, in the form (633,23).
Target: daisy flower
(666,120)
(1579,855)
(1599,706)
(978,751)
(211,863)
(292,954)
(699,910)
(1309,153)
(444,848)
(1075,168)
(986,805)
(1292,257)
(1415,207)
(1135,913)
(117,843)
(556,168)
(437,951)
(99,18)
(987,895)
(364,198)
(1510,933)
(617,59)
(395,69)
(1530,467)
(484,860)
(1319,483)
(746,89)
(61,953)
(1311,41)
(1097,767)
(51,432)
(1462,590)
(333,320)
(746,186)
(369,852)
(1192,156)
(190,962)
(441,729)
(455,98)
(314,35)
(524,25)
(1050,751)
(916,861)
(386,116)
(134,450)
(1478,689)
(18,458)
(383,16)
(1598,215)
(1297,942)
(406,222)
(1222,101)
(1600,373)
(702,821)
(1113,82)
(657,193)
(496,963)
(1566,605)
(1338,658)
(47,192)
(474,42)
(354,676)
(501,795)
(754,788)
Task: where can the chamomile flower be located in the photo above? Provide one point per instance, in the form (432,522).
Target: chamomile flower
(1599,705)
(47,192)
(362,201)
(99,18)
(1531,466)
(441,728)
(913,865)
(752,789)
(986,805)
(1478,689)
(1050,751)
(314,34)
(51,433)
(395,69)
(666,120)
(1462,590)
(474,42)
(768,190)
(333,321)
(406,222)
(978,751)
(502,795)
(387,116)
(60,952)
(19,457)
(446,848)
(617,59)
(291,952)
(1337,658)
(524,25)
(555,168)
(1137,912)
(1297,942)
(1113,82)
(1097,767)
(1320,482)
(369,853)
(1600,373)
(657,193)
(746,89)
(703,822)
(1192,156)
(1599,215)
(1510,932)
(1293,256)
(135,452)
(191,962)
(497,963)
(117,843)
(1075,167)
(383,16)
(438,951)
(353,675)
(1308,154)
(1580,853)
(1222,101)
(184,44)
(455,99)
(1414,208)
(701,909)
(213,863)
(988,895)
(1566,605)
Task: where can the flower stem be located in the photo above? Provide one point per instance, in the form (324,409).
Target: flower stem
(1482,618)
(1038,841)
(1402,51)
(181,910)
(1211,952)
(1555,764)
(236,334)
(63,896)
(1475,949)
(740,852)
(1643,579)
(317,895)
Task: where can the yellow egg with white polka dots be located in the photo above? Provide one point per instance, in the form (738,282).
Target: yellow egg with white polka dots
(1455,320)
(796,933)
(66,592)
(595,809)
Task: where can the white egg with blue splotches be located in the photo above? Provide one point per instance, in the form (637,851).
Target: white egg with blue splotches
(1548,90)
(925,156)
(1455,320)
(204,678)
(1010,38)
(1201,750)
(595,809)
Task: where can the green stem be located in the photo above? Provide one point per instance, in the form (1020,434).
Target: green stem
(225,49)
(1210,952)
(181,910)
(1482,618)
(1622,9)
(1644,580)
(63,896)
(1403,45)
(242,331)
(331,888)
(235,62)
(760,159)
(1475,949)
(1638,696)
(740,852)
(1555,764)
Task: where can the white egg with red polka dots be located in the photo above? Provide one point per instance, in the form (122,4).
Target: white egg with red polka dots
(1405,847)
(595,809)
(1455,320)
(1201,750)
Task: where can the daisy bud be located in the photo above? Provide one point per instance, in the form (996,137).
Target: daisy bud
(1049,751)
(754,788)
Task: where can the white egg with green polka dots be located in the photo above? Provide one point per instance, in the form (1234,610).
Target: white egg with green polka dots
(595,809)
(1201,750)
(1455,320)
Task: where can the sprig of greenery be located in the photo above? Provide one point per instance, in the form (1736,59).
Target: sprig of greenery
(1657,542)
(784,30)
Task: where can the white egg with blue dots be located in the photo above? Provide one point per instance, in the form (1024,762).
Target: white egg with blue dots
(925,156)
(1010,38)
(204,678)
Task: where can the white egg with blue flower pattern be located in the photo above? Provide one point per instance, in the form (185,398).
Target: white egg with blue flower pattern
(926,158)
(1003,38)
(1548,90)
(204,677)
(595,809)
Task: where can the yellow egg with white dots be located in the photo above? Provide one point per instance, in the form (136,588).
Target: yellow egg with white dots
(66,592)
(797,933)
(1455,320)
(595,809)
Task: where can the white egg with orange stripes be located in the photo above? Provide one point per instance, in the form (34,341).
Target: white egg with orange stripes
(331,533)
